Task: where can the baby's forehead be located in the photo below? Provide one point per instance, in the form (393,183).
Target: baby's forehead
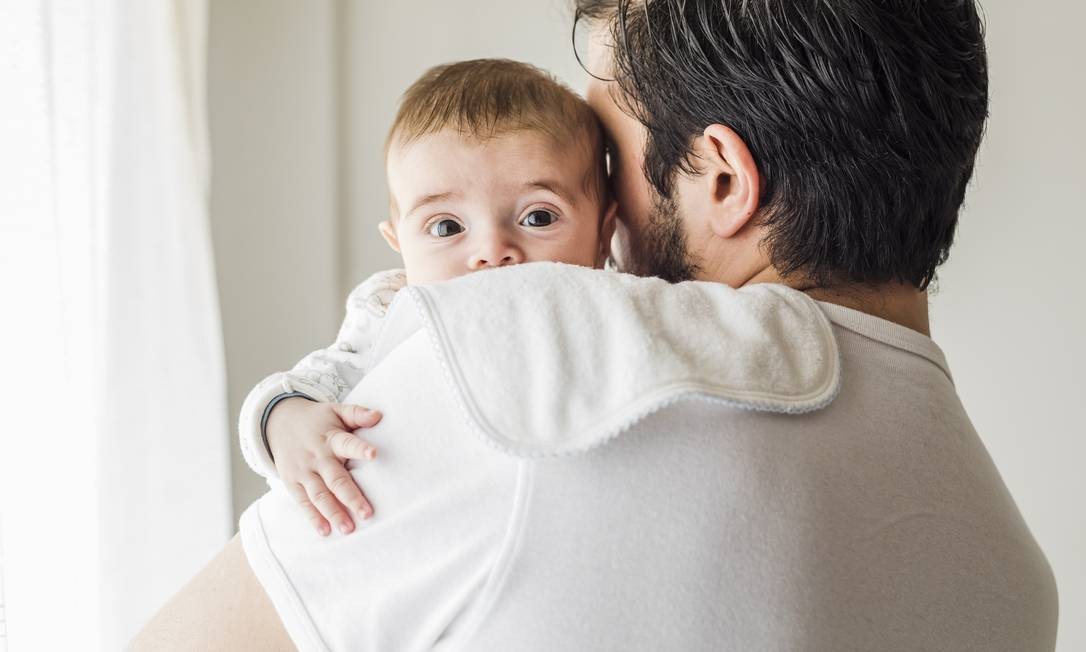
(562,147)
(523,157)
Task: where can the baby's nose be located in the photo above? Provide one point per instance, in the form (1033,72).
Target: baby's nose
(497,252)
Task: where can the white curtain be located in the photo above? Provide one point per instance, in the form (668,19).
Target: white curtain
(114,446)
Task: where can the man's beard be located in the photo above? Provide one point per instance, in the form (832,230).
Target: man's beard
(660,250)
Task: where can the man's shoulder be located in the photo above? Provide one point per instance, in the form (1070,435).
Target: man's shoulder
(441,497)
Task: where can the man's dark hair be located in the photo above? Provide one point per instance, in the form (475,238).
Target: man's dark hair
(863,116)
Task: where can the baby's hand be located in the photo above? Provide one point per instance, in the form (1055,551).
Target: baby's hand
(310,443)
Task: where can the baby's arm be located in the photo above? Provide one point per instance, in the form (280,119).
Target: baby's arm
(324,376)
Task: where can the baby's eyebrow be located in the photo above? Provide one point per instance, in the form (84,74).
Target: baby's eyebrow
(432,199)
(550,186)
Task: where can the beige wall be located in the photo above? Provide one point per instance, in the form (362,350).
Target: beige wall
(273,198)
(299,190)
(1011,312)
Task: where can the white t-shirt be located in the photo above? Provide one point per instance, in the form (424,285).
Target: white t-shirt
(579,460)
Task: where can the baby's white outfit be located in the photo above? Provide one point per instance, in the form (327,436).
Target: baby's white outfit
(574,459)
(325,375)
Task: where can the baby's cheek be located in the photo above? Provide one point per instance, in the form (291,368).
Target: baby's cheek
(430,267)
(582,250)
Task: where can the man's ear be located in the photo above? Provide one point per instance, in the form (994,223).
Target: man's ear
(388,232)
(731,178)
(607,231)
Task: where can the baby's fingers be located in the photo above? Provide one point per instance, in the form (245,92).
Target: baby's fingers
(345,445)
(346,489)
(297,492)
(356,416)
(327,503)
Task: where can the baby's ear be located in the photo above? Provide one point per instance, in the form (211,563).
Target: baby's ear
(607,231)
(388,232)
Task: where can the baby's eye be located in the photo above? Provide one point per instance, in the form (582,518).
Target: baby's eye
(445,228)
(539,218)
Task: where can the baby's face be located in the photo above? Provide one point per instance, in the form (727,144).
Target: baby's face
(461,205)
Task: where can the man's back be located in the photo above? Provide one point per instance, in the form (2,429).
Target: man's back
(856,509)
(878,522)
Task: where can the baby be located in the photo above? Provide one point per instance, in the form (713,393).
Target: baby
(490,163)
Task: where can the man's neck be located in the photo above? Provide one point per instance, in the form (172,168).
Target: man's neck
(895,302)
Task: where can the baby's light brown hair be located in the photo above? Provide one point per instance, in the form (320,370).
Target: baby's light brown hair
(486,98)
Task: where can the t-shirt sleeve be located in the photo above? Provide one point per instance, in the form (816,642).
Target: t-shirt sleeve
(421,569)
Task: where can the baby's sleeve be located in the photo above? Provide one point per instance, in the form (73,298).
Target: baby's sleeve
(325,375)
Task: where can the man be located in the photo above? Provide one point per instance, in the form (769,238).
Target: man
(786,466)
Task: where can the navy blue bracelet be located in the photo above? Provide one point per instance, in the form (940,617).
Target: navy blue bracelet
(267,413)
